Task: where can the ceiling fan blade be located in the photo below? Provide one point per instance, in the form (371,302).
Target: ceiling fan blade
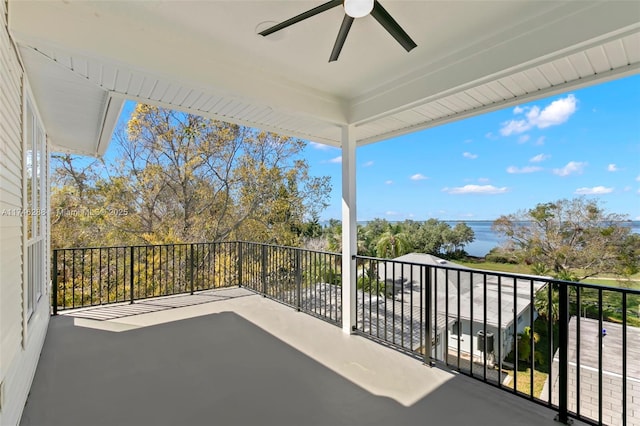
(390,24)
(342,37)
(308,14)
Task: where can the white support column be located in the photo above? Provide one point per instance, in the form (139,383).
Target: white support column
(349,228)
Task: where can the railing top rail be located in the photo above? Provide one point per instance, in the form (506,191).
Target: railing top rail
(377,259)
(545,279)
(196,243)
(292,248)
(139,246)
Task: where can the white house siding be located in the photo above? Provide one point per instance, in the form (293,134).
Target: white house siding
(469,338)
(10,198)
(20,339)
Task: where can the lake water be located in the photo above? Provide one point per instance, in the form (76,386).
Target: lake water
(486,239)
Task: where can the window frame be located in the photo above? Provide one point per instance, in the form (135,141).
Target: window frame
(35,206)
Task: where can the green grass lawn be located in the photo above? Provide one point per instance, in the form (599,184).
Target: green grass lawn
(611,303)
(635,277)
(614,282)
(524,380)
(611,300)
(541,371)
(605,279)
(493,266)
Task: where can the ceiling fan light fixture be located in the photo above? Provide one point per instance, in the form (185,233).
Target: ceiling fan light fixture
(353,9)
(358,8)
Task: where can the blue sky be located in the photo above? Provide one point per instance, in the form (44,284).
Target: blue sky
(584,142)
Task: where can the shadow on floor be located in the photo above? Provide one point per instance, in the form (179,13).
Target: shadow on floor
(220,369)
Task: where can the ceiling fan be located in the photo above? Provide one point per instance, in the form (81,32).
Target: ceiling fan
(353,9)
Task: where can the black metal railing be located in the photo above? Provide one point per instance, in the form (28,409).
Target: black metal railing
(304,279)
(307,280)
(102,275)
(573,347)
(569,346)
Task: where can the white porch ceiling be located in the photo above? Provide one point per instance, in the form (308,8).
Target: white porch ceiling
(84,58)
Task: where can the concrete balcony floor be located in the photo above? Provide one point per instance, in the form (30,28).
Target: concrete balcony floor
(232,357)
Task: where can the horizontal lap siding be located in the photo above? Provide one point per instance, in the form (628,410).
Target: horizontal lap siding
(18,358)
(10,198)
(20,343)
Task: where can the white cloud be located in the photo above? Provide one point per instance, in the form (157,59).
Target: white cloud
(418,176)
(391,213)
(514,126)
(638,178)
(469,155)
(557,112)
(612,168)
(525,169)
(483,180)
(368,164)
(572,167)
(476,189)
(627,189)
(596,190)
(491,136)
(388,182)
(539,158)
(540,140)
(321,146)
(336,160)
(523,138)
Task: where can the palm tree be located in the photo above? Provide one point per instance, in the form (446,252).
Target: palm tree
(365,241)
(524,343)
(334,236)
(539,268)
(393,242)
(541,303)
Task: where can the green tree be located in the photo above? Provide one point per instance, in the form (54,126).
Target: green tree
(182,177)
(393,242)
(539,269)
(77,217)
(312,228)
(369,235)
(412,229)
(574,239)
(524,343)
(550,312)
(430,237)
(456,238)
(334,235)
(628,256)
(370,282)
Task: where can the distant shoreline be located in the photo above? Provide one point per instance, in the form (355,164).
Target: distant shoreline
(485,238)
(633,223)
